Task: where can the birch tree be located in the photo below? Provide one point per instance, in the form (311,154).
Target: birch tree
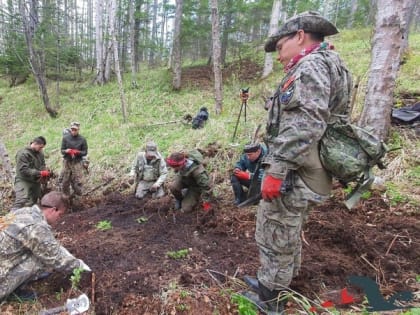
(112,31)
(176,48)
(385,63)
(30,21)
(132,44)
(274,24)
(100,65)
(216,56)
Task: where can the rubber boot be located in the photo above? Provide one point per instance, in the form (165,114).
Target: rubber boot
(252,283)
(270,299)
(238,191)
(178,203)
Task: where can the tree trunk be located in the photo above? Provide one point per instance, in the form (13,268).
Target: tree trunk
(353,9)
(112,31)
(30,23)
(226,31)
(153,37)
(218,92)
(6,169)
(384,67)
(176,48)
(132,45)
(274,22)
(100,79)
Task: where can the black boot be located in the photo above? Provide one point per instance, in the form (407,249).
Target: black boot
(238,191)
(271,299)
(178,203)
(252,283)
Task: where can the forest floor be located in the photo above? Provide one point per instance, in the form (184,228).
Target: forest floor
(133,272)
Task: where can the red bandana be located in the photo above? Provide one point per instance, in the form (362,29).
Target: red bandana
(175,163)
(305,52)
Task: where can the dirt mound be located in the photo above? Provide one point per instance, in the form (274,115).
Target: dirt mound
(202,76)
(154,260)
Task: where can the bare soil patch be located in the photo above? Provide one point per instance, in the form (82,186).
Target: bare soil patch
(134,274)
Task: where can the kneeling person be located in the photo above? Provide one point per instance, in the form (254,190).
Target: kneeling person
(149,169)
(246,168)
(28,246)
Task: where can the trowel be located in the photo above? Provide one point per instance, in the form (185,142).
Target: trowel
(72,307)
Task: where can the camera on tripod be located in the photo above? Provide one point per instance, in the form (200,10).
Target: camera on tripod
(245,94)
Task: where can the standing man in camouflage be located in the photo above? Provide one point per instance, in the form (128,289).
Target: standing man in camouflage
(74,149)
(150,172)
(30,170)
(314,92)
(28,246)
(191,183)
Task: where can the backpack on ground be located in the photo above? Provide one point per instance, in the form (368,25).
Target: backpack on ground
(349,153)
(200,119)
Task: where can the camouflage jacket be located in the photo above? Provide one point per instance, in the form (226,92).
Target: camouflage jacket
(152,171)
(26,234)
(318,86)
(194,175)
(29,163)
(70,142)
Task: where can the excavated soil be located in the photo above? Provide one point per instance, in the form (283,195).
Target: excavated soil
(133,273)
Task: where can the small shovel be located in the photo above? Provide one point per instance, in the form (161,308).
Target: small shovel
(73,306)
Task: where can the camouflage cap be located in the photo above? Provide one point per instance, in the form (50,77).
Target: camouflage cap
(251,147)
(74,125)
(309,21)
(151,149)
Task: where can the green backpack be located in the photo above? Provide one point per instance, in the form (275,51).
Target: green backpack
(196,156)
(349,153)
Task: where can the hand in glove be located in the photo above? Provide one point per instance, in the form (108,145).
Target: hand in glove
(241,174)
(154,188)
(72,152)
(270,187)
(83,265)
(45,173)
(207,206)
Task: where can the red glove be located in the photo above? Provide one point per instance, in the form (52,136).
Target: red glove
(45,173)
(270,187)
(241,174)
(207,206)
(72,152)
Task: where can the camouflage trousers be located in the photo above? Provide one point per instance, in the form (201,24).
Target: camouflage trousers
(278,234)
(190,196)
(143,189)
(72,174)
(19,275)
(27,193)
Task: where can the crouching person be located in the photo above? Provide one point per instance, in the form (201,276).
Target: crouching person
(150,172)
(191,184)
(28,247)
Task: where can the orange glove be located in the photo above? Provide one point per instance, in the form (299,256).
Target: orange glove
(241,174)
(270,187)
(207,206)
(72,152)
(45,173)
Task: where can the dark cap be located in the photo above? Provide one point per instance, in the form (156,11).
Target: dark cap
(309,21)
(151,148)
(251,147)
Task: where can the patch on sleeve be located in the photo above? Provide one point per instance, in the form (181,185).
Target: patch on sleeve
(287,95)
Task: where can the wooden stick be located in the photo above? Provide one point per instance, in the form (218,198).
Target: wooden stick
(93,288)
(392,243)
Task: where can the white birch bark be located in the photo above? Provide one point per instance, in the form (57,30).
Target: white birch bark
(385,64)
(176,48)
(218,90)
(274,25)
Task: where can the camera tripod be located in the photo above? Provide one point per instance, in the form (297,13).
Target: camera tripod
(244,97)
